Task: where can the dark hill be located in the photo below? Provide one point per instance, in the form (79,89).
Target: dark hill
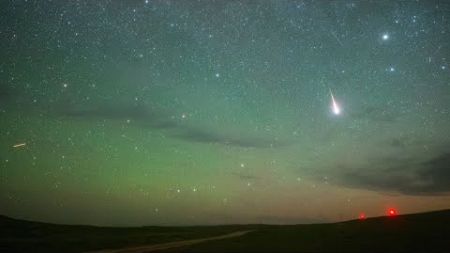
(424,232)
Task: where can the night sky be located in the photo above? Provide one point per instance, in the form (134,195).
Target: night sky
(216,112)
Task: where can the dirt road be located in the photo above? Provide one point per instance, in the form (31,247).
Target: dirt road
(162,246)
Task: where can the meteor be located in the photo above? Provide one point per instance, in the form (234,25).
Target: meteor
(19,145)
(334,105)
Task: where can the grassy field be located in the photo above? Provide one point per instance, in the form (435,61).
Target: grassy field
(426,232)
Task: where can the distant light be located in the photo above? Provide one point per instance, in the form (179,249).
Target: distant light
(362,216)
(385,36)
(392,212)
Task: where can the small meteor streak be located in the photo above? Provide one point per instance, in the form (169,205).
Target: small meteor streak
(18,145)
(334,105)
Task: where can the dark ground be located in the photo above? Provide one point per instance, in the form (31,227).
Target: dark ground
(425,232)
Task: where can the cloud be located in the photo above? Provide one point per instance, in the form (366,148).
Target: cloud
(137,113)
(405,141)
(158,119)
(398,142)
(205,136)
(431,177)
(437,170)
(375,114)
(5,94)
(245,176)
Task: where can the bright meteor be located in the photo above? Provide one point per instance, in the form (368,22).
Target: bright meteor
(334,105)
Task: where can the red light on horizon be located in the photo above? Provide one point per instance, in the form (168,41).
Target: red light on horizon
(392,212)
(362,216)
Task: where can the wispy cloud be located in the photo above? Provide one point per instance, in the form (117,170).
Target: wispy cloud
(206,136)
(244,176)
(429,177)
(374,114)
(158,119)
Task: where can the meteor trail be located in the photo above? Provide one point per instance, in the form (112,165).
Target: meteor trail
(334,105)
(19,145)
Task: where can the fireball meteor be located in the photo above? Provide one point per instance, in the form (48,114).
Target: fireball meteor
(334,105)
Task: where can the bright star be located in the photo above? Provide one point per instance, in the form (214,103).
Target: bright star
(385,36)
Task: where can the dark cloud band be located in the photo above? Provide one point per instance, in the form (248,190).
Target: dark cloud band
(431,177)
(157,119)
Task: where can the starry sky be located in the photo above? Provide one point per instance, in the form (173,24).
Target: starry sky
(216,112)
